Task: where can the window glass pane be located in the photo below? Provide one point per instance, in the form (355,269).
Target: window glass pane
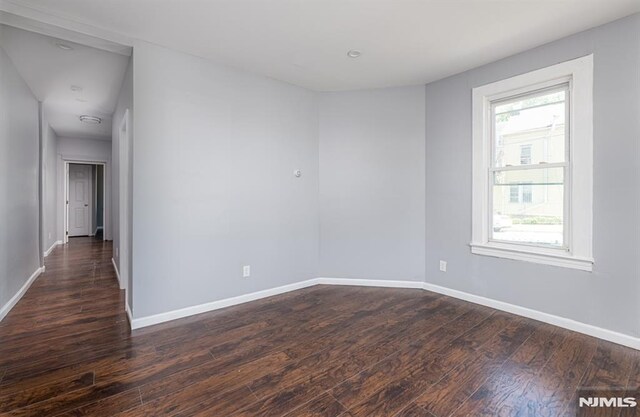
(514,194)
(527,193)
(530,130)
(528,206)
(525,154)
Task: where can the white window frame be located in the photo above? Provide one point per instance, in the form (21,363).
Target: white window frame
(578,254)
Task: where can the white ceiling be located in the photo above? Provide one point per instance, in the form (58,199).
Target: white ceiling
(305,42)
(50,72)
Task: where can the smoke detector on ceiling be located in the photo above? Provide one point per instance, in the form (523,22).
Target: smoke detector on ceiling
(92,120)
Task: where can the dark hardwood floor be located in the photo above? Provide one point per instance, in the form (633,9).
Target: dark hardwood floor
(66,349)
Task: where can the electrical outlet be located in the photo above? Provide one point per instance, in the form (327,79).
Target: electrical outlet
(246,271)
(49,235)
(116,252)
(443,266)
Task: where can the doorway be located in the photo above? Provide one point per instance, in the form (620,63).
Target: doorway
(85,200)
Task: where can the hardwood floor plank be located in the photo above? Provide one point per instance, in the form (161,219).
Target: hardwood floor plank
(66,350)
(606,376)
(457,385)
(373,343)
(108,407)
(29,350)
(633,388)
(406,388)
(35,394)
(70,363)
(548,392)
(121,377)
(414,410)
(322,406)
(195,397)
(214,374)
(498,390)
(289,395)
(366,383)
(326,368)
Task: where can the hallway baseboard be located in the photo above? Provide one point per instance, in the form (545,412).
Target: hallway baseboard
(115,268)
(14,300)
(53,246)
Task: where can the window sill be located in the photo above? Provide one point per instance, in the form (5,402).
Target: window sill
(535,255)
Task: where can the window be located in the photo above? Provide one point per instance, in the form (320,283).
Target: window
(520,194)
(527,196)
(525,150)
(532,165)
(539,118)
(514,194)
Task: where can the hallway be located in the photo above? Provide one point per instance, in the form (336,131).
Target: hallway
(72,314)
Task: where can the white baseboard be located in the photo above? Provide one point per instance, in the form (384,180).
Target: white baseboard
(126,299)
(370,282)
(128,310)
(115,267)
(53,246)
(215,305)
(576,326)
(14,300)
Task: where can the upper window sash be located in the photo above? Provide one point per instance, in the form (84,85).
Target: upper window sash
(548,87)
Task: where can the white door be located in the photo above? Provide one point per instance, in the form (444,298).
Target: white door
(79,198)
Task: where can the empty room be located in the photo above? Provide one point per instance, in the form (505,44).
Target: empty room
(338,208)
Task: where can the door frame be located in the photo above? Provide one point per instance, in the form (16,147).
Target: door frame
(79,161)
(91,205)
(124,189)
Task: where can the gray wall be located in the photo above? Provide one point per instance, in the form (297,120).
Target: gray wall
(125,102)
(608,297)
(19,165)
(83,148)
(372,184)
(213,190)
